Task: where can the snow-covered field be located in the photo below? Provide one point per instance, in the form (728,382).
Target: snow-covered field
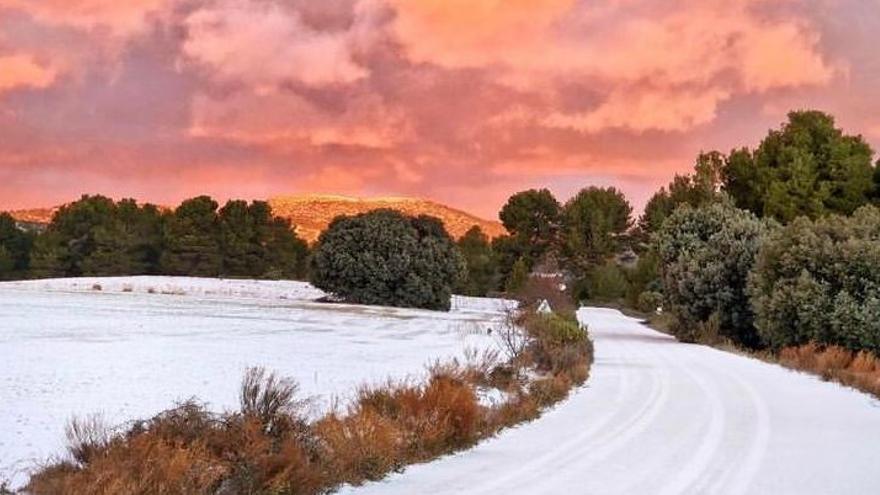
(660,417)
(130,347)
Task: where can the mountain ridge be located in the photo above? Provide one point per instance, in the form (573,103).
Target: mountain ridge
(312,213)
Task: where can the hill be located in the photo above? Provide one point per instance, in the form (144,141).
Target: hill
(312,213)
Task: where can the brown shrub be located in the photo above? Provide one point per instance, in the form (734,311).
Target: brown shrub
(549,391)
(360,446)
(858,370)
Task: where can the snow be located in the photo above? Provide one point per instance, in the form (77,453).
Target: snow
(131,347)
(662,417)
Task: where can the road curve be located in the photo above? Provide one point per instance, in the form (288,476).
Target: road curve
(662,417)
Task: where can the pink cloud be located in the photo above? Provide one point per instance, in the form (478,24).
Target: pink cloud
(264,44)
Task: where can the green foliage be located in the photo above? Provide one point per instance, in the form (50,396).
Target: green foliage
(532,217)
(648,301)
(15,248)
(808,167)
(556,329)
(695,190)
(644,277)
(593,222)
(480,260)
(705,257)
(128,243)
(96,236)
(818,281)
(192,240)
(607,282)
(256,244)
(386,258)
(519,275)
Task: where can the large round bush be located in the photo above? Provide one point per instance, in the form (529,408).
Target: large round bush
(386,258)
(705,256)
(820,281)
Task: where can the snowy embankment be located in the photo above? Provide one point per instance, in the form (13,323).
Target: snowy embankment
(662,417)
(130,347)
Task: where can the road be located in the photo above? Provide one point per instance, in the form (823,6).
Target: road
(662,417)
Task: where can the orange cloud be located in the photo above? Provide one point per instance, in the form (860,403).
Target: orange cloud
(279,120)
(640,109)
(21,71)
(693,57)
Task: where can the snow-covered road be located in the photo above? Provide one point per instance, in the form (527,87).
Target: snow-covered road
(661,417)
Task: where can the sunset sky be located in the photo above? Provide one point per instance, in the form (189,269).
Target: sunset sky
(461,101)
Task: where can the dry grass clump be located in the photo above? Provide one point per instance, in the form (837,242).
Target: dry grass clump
(268,447)
(860,370)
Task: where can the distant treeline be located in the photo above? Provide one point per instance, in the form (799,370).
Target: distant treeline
(97,236)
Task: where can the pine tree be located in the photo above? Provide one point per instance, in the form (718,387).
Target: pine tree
(192,240)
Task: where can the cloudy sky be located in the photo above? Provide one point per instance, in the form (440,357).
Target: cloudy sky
(462,101)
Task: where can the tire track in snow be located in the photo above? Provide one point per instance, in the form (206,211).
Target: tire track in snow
(684,419)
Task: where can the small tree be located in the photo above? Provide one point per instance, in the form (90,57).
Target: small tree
(386,258)
(593,222)
(192,240)
(480,261)
(15,248)
(705,257)
(519,275)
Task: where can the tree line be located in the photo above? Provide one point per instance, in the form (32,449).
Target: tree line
(736,248)
(97,236)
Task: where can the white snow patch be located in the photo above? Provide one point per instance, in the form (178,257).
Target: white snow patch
(129,347)
(661,417)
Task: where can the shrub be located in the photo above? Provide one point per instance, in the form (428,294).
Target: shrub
(649,301)
(706,254)
(386,258)
(818,281)
(607,282)
(860,370)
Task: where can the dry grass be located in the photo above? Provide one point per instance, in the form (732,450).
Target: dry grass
(860,370)
(267,447)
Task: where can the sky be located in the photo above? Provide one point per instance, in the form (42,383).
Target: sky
(460,101)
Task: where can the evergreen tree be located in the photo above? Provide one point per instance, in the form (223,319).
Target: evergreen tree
(286,254)
(240,239)
(808,167)
(50,257)
(697,189)
(593,223)
(386,258)
(519,275)
(128,244)
(192,240)
(15,248)
(533,218)
(480,261)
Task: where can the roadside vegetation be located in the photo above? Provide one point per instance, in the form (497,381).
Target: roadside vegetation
(270,446)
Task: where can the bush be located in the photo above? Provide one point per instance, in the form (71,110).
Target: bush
(386,258)
(705,255)
(649,301)
(817,281)
(607,282)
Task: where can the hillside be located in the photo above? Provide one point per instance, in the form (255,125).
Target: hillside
(37,216)
(312,213)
